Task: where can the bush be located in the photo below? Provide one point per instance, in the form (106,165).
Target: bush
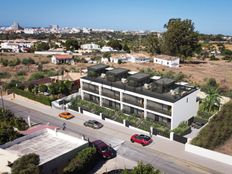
(28,61)
(4,75)
(217,131)
(39,98)
(83,162)
(182,129)
(26,164)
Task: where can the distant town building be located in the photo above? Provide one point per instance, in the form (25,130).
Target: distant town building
(62,58)
(90,46)
(166,60)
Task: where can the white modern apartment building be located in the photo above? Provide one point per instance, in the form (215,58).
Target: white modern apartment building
(90,46)
(159,99)
(170,61)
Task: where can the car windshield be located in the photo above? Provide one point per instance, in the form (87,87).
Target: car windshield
(147,138)
(104,148)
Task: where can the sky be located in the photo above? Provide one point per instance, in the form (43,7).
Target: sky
(209,16)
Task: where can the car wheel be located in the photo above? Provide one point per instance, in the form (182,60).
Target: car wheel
(143,144)
(132,141)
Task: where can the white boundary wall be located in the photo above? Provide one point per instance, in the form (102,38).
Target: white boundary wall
(220,157)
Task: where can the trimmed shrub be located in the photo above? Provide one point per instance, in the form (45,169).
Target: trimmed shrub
(182,129)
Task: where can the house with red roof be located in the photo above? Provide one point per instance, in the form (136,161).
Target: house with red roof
(62,59)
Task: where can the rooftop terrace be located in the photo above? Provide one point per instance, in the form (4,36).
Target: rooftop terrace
(141,83)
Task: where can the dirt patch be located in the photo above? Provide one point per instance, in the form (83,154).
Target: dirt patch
(196,71)
(226,148)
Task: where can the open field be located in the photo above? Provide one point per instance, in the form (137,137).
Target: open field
(228,46)
(196,71)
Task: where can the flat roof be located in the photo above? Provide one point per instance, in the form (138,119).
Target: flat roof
(118,71)
(139,76)
(47,143)
(166,57)
(98,67)
(164,81)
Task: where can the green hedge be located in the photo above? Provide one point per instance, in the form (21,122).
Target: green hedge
(217,131)
(83,162)
(182,129)
(118,116)
(39,98)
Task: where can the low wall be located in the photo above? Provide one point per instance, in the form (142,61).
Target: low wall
(220,157)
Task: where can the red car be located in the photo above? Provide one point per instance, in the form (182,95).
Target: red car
(104,150)
(141,139)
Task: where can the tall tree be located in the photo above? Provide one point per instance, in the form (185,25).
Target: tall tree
(152,44)
(180,39)
(72,44)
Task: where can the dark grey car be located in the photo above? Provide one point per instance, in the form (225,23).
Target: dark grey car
(93,124)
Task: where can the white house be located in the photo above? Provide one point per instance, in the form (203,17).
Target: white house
(166,60)
(62,58)
(134,58)
(10,46)
(107,49)
(90,46)
(159,99)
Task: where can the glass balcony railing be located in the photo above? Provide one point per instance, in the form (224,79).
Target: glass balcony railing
(160,110)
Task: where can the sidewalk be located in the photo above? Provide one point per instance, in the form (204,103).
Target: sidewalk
(171,148)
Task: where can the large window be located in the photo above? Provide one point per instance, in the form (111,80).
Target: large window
(159,119)
(91,98)
(110,93)
(133,100)
(133,111)
(91,88)
(159,107)
(110,104)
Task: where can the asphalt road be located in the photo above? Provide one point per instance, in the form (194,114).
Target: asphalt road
(164,162)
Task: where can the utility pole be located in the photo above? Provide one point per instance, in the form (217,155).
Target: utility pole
(2,98)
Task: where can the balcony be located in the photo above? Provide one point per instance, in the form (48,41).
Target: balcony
(89,88)
(133,100)
(160,110)
(111,94)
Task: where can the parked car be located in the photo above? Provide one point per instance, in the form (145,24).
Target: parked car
(66,115)
(141,139)
(93,124)
(104,150)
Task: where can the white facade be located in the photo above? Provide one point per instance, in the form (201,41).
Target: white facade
(60,59)
(91,46)
(130,58)
(107,49)
(167,61)
(181,110)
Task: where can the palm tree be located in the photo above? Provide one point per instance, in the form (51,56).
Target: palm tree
(212,100)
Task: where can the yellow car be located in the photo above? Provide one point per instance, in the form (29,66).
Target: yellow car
(66,115)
